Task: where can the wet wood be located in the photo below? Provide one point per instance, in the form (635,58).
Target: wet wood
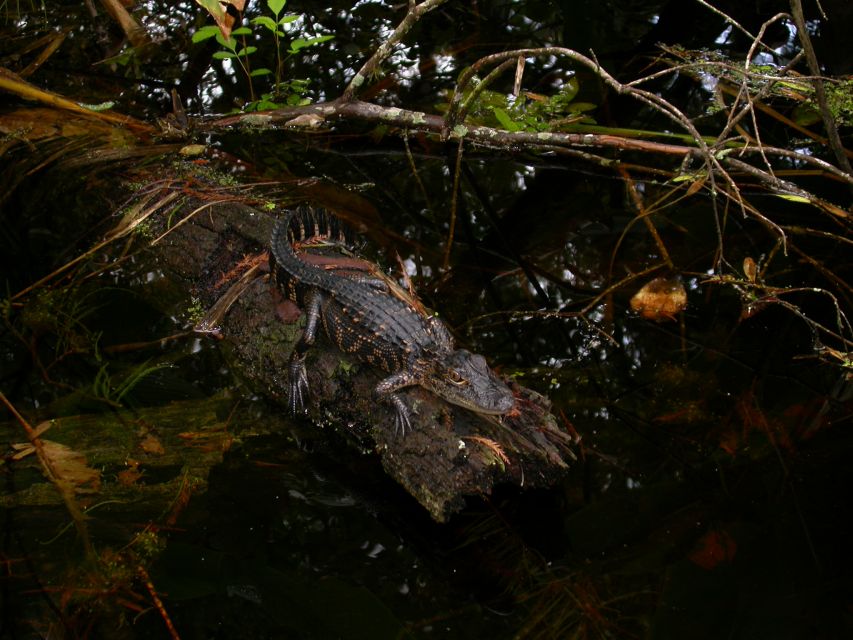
(450,453)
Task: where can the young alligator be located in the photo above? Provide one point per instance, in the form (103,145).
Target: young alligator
(375,320)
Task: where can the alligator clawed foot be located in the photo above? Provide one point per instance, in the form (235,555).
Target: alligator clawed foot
(402,425)
(298,386)
(402,416)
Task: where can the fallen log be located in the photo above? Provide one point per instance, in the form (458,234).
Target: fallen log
(450,452)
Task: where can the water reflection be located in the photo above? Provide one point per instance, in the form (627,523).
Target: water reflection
(706,502)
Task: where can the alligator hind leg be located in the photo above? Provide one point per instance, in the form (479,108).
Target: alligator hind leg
(298,375)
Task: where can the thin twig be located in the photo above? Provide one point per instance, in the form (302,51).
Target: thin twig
(732,22)
(415,174)
(158,602)
(386,48)
(644,214)
(454,201)
(453,117)
(130,222)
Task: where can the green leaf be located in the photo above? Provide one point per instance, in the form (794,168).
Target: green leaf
(266,105)
(242,31)
(301,43)
(290,17)
(260,72)
(531,123)
(796,86)
(205,33)
(688,177)
(101,106)
(230,43)
(317,40)
(265,21)
(570,89)
(506,122)
(580,107)
(459,131)
(793,198)
(806,115)
(276,5)
(246,51)
(224,55)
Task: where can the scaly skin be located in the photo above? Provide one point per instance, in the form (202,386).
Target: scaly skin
(368,316)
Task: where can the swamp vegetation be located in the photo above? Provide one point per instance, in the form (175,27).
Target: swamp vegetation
(639,212)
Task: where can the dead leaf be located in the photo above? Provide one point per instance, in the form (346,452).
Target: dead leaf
(492,446)
(696,185)
(151,444)
(750,269)
(69,465)
(131,475)
(713,549)
(218,9)
(660,299)
(307,121)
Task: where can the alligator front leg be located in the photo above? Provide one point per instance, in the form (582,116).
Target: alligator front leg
(385,391)
(298,375)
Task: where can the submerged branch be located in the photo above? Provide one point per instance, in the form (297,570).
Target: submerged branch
(15,85)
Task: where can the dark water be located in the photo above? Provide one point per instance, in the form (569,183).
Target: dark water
(712,490)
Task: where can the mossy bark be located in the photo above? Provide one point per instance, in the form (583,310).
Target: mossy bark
(204,248)
(450,452)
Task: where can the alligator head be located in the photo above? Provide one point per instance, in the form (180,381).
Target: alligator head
(465,379)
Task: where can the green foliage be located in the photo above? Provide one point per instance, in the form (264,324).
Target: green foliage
(196,311)
(771,79)
(529,111)
(283,92)
(839,96)
(61,313)
(113,389)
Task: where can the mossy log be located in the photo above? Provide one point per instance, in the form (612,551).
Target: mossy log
(449,453)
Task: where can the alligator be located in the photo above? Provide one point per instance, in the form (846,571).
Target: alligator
(368,315)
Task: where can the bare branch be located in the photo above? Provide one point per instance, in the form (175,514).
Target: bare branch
(414,13)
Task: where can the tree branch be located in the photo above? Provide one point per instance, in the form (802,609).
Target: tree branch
(415,12)
(820,90)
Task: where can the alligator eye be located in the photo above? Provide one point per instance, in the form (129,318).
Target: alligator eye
(456,378)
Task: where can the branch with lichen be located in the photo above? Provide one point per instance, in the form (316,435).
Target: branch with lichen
(414,13)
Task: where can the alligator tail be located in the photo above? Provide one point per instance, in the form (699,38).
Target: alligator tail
(301,225)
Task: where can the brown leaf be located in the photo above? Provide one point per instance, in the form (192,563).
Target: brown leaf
(492,446)
(218,9)
(750,269)
(69,465)
(131,475)
(713,549)
(151,444)
(660,299)
(696,185)
(72,466)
